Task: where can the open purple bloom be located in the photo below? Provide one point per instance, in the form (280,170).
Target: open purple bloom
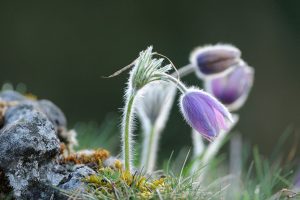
(233,88)
(204,113)
(214,59)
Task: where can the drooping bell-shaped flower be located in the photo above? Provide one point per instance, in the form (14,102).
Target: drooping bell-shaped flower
(204,113)
(233,88)
(214,59)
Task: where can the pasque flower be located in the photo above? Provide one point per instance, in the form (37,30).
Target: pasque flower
(204,113)
(214,59)
(233,88)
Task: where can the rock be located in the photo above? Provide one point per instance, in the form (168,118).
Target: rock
(5,188)
(9,95)
(57,174)
(74,181)
(28,145)
(29,181)
(28,135)
(30,140)
(58,119)
(54,114)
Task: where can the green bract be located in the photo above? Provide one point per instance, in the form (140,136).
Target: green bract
(146,69)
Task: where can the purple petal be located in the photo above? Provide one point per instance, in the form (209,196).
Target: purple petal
(214,59)
(232,87)
(204,113)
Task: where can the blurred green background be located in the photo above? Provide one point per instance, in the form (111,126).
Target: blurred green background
(60,50)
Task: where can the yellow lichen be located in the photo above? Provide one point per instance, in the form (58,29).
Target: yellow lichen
(3,107)
(81,158)
(118,165)
(31,96)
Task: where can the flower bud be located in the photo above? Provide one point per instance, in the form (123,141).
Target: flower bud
(214,59)
(233,88)
(153,107)
(155,102)
(204,113)
(146,69)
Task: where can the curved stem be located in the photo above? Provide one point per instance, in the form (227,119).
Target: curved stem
(198,148)
(215,146)
(127,131)
(183,71)
(177,82)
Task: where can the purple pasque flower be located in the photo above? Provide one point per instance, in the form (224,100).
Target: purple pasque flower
(204,113)
(214,59)
(233,88)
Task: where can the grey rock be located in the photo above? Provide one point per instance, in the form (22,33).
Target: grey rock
(54,114)
(57,174)
(19,111)
(28,145)
(74,181)
(29,150)
(29,135)
(29,181)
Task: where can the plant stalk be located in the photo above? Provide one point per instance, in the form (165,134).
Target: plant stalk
(177,82)
(150,149)
(127,131)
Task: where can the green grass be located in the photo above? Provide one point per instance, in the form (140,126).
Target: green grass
(92,135)
(260,178)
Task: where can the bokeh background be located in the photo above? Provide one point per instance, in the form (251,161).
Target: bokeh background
(61,49)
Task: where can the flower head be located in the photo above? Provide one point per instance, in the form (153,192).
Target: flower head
(233,88)
(204,113)
(214,59)
(146,69)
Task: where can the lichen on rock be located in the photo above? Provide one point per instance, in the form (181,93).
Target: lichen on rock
(31,137)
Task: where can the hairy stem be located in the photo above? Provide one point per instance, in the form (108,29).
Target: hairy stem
(198,149)
(184,71)
(213,148)
(127,140)
(150,149)
(177,82)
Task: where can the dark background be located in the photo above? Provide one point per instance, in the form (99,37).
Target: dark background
(60,50)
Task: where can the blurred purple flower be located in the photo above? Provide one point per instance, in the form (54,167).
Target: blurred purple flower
(204,113)
(214,59)
(233,88)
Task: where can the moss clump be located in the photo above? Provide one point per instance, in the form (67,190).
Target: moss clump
(94,157)
(116,183)
(113,181)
